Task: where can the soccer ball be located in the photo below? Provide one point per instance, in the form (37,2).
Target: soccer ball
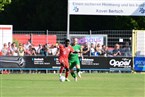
(62,78)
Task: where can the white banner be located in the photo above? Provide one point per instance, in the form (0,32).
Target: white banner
(107,7)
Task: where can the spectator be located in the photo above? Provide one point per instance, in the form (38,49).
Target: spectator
(43,51)
(86,49)
(92,49)
(21,50)
(116,51)
(98,50)
(9,48)
(33,52)
(105,50)
(127,50)
(54,49)
(47,49)
(14,49)
(39,48)
(4,50)
(27,45)
(28,51)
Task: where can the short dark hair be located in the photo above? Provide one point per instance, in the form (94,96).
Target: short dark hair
(67,40)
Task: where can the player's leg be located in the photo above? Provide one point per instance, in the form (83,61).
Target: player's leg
(66,74)
(67,70)
(61,69)
(78,67)
(72,65)
(61,66)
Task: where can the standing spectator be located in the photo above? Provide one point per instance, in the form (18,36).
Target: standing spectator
(4,50)
(117,51)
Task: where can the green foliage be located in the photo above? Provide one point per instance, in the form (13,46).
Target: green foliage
(3,3)
(16,41)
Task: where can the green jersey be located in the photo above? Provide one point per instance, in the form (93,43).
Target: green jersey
(75,56)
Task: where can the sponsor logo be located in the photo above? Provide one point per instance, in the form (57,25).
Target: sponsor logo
(18,60)
(142,10)
(89,62)
(121,63)
(76,9)
(140,63)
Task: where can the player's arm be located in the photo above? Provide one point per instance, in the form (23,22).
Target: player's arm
(57,52)
(81,51)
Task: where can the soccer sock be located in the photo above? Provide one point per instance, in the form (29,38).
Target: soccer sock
(78,69)
(73,74)
(66,74)
(61,70)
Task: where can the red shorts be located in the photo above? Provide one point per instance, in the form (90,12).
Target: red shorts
(64,62)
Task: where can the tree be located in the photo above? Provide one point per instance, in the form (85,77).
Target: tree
(3,3)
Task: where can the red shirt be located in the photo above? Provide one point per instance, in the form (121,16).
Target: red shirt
(64,51)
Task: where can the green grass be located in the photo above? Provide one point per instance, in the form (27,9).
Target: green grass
(90,85)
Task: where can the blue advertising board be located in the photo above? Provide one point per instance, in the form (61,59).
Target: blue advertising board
(139,64)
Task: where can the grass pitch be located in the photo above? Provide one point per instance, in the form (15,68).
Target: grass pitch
(90,85)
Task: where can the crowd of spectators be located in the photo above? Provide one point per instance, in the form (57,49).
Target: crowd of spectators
(103,50)
(11,49)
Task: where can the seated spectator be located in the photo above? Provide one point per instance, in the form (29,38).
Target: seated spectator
(116,51)
(14,49)
(98,50)
(4,50)
(105,50)
(86,49)
(127,50)
(21,50)
(43,51)
(9,48)
(39,48)
(31,51)
(54,49)
(26,46)
(92,49)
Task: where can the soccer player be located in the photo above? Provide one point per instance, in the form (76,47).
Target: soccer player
(74,59)
(64,51)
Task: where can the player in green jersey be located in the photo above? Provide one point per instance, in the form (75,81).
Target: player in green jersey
(74,59)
